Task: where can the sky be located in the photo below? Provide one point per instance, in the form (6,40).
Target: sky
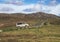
(30,6)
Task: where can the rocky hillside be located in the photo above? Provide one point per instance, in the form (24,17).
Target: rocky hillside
(34,18)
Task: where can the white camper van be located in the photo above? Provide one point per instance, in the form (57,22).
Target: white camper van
(22,25)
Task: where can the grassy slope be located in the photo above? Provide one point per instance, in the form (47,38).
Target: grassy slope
(43,34)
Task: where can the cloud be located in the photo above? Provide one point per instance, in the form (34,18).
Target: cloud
(4,9)
(16,9)
(15,2)
(53,2)
(30,8)
(51,9)
(41,1)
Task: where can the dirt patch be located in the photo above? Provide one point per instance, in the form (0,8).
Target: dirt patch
(2,25)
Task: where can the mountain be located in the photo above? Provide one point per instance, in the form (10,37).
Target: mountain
(33,18)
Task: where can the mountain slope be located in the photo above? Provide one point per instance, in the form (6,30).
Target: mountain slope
(34,18)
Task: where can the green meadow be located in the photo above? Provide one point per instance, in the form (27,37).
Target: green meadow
(46,33)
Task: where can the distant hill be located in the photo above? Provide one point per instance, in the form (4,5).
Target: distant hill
(34,18)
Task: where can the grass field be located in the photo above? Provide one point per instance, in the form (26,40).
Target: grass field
(43,34)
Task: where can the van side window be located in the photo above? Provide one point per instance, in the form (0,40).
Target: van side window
(19,23)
